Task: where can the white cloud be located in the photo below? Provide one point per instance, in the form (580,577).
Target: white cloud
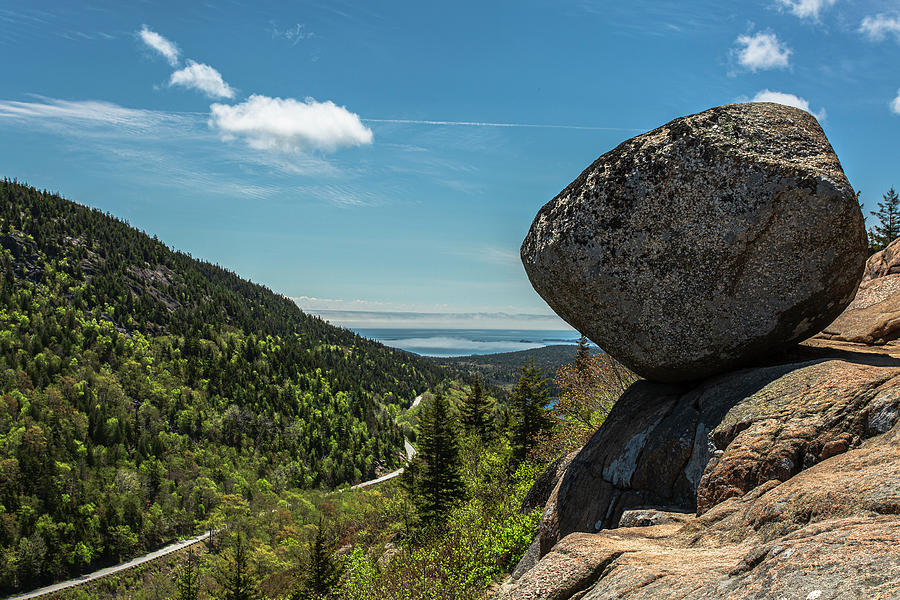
(806,9)
(762,50)
(204,78)
(788,100)
(880,26)
(166,48)
(87,112)
(289,125)
(895,104)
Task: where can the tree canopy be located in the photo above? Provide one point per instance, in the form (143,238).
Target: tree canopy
(139,387)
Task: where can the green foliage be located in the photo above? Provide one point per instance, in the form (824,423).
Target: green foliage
(323,569)
(438,484)
(139,387)
(529,402)
(187,579)
(236,577)
(479,541)
(888,227)
(504,368)
(476,412)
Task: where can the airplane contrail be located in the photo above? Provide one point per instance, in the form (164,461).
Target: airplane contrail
(485,124)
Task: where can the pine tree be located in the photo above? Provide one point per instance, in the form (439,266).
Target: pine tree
(888,227)
(187,580)
(323,571)
(583,354)
(237,579)
(440,483)
(475,412)
(529,401)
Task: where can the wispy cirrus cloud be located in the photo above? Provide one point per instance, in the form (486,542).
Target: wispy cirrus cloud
(501,125)
(762,50)
(289,125)
(91,113)
(806,9)
(180,145)
(895,104)
(293,35)
(202,77)
(161,45)
(768,95)
(878,27)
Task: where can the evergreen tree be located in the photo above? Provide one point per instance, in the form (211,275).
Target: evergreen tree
(440,483)
(529,401)
(888,227)
(237,579)
(187,580)
(475,411)
(583,354)
(323,571)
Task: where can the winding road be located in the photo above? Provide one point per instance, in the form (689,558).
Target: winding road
(56,587)
(176,546)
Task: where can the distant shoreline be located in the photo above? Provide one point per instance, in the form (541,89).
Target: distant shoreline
(444,343)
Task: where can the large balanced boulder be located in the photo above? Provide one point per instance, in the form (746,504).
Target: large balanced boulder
(704,244)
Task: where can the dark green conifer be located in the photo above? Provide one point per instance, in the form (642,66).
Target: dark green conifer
(582,354)
(529,401)
(475,412)
(187,579)
(440,485)
(323,571)
(237,578)
(888,227)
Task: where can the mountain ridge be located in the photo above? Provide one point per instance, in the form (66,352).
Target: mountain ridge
(140,387)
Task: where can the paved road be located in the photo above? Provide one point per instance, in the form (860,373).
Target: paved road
(410,453)
(110,570)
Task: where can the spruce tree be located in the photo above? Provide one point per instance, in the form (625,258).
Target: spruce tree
(440,483)
(583,354)
(237,579)
(187,579)
(324,569)
(475,412)
(529,401)
(888,227)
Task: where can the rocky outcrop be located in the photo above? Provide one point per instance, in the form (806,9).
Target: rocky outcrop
(691,448)
(883,263)
(874,315)
(829,532)
(709,242)
(687,252)
(546,482)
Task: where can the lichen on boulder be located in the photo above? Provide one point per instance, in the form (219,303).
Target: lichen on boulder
(704,244)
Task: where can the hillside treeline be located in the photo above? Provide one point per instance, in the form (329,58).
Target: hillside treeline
(138,386)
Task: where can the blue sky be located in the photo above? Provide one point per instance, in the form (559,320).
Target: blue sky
(388,158)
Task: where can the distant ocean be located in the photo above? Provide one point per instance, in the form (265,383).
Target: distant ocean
(457,342)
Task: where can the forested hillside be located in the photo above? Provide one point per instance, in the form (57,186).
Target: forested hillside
(138,386)
(503,369)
